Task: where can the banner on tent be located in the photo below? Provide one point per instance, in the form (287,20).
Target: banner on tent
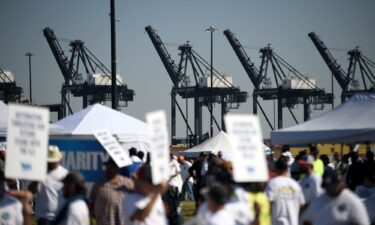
(157,125)
(27,137)
(84,156)
(249,160)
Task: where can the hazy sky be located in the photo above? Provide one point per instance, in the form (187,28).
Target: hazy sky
(285,24)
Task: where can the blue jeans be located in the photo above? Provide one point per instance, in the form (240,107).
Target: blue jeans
(187,191)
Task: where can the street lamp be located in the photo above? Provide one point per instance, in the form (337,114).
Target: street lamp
(186,82)
(113,56)
(29,54)
(211,29)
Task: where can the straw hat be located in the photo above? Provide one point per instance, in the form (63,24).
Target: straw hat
(54,154)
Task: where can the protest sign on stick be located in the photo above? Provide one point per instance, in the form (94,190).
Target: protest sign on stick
(157,125)
(113,148)
(27,142)
(249,160)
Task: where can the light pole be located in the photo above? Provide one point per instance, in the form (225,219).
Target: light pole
(113,55)
(187,83)
(29,54)
(211,29)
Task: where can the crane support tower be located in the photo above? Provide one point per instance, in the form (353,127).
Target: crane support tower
(96,87)
(349,81)
(191,62)
(284,83)
(9,91)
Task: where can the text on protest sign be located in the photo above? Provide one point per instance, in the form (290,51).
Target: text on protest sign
(157,125)
(27,142)
(113,148)
(249,161)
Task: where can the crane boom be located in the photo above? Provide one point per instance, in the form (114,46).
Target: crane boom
(341,77)
(249,67)
(175,75)
(57,51)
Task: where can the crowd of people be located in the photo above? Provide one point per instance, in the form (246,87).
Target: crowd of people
(306,189)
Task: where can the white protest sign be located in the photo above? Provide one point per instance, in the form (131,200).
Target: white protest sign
(157,126)
(113,148)
(27,142)
(249,160)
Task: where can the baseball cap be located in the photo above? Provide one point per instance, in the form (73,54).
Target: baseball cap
(331,178)
(306,160)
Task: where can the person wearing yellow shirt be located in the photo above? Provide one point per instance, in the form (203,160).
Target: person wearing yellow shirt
(260,204)
(318,163)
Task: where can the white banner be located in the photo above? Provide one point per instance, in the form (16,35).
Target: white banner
(157,126)
(249,160)
(113,148)
(27,142)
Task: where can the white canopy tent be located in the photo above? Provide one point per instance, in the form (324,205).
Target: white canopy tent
(215,144)
(130,131)
(221,142)
(53,128)
(352,121)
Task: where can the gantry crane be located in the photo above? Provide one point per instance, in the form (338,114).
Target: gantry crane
(223,90)
(286,85)
(348,81)
(9,91)
(96,87)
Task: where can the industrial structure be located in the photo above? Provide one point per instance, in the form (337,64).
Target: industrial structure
(222,89)
(96,87)
(278,80)
(350,82)
(9,91)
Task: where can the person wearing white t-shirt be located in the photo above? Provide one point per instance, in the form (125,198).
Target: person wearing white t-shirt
(311,183)
(10,210)
(187,186)
(337,205)
(216,213)
(49,196)
(238,204)
(285,195)
(75,211)
(175,179)
(144,206)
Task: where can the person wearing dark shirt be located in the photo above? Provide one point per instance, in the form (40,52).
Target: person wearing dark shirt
(356,172)
(195,172)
